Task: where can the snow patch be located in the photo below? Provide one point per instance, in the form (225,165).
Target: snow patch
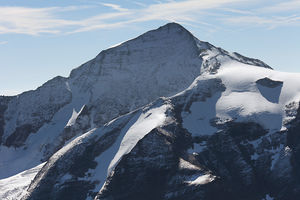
(201,180)
(147,121)
(103,161)
(240,100)
(183,164)
(268,197)
(254,156)
(14,187)
(73,118)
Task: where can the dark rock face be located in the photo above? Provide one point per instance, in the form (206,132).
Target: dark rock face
(270,89)
(149,172)
(290,188)
(151,165)
(64,172)
(269,82)
(152,169)
(20,135)
(144,173)
(3,106)
(251,61)
(230,160)
(81,125)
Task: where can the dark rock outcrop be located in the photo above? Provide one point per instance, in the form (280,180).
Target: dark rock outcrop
(3,106)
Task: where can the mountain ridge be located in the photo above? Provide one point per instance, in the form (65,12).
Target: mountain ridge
(82,118)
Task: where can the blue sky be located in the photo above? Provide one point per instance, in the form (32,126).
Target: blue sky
(41,39)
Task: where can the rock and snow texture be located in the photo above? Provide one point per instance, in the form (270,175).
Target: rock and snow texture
(228,130)
(35,124)
(16,186)
(162,62)
(193,145)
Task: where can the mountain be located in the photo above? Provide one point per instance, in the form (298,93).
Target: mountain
(163,62)
(225,126)
(37,123)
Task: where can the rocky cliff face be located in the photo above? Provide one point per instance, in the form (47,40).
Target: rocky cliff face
(228,129)
(4,101)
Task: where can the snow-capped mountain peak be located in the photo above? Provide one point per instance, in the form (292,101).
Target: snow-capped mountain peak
(221,118)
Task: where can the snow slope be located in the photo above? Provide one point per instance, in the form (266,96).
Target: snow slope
(243,100)
(15,187)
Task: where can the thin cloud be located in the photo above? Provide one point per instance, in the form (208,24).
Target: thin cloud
(31,21)
(114,6)
(139,3)
(243,12)
(271,22)
(37,21)
(183,11)
(283,6)
(3,42)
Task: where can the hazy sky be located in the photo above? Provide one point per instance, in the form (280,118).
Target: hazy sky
(41,39)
